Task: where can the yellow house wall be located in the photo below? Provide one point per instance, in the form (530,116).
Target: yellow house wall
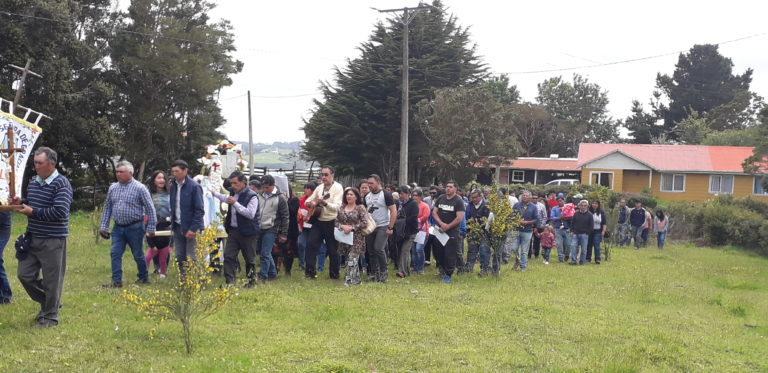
(696,185)
(635,181)
(618,177)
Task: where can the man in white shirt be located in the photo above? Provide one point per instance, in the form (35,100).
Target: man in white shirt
(327,196)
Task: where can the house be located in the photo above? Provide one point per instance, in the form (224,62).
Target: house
(532,170)
(671,172)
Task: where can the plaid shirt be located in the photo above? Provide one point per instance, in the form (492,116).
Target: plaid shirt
(129,203)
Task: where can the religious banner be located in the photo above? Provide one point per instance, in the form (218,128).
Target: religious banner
(26,135)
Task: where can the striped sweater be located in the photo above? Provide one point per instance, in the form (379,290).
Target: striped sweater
(50,204)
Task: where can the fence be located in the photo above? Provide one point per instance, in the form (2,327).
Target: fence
(294,175)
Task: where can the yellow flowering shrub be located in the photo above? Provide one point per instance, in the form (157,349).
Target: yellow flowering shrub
(504,220)
(191,298)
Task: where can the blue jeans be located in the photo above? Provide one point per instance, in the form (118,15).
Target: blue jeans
(563,242)
(267,268)
(660,238)
(595,238)
(481,250)
(417,257)
(133,235)
(302,246)
(322,253)
(520,246)
(5,287)
(579,241)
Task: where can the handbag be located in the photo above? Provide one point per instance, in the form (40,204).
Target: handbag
(370,226)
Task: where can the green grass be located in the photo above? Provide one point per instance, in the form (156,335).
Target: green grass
(683,309)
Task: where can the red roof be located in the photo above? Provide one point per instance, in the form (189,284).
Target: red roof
(688,158)
(544,164)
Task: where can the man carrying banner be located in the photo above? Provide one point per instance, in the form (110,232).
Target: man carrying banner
(49,197)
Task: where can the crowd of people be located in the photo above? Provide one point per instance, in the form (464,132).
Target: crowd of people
(368,229)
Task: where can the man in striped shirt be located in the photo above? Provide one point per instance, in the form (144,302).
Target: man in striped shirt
(49,196)
(128,201)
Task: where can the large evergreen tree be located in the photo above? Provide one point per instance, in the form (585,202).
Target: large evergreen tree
(67,44)
(169,84)
(356,125)
(703,81)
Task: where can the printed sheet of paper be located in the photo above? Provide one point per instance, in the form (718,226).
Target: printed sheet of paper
(441,236)
(342,237)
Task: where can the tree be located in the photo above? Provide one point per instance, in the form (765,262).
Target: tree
(533,126)
(69,52)
(579,109)
(499,87)
(693,130)
(758,162)
(642,126)
(703,80)
(466,127)
(742,137)
(356,125)
(169,84)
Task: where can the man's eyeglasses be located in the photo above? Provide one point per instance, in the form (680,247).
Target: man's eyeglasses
(326,174)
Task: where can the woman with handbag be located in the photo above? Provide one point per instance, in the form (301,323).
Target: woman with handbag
(352,218)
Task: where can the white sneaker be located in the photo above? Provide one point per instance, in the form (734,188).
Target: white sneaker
(162,275)
(546,262)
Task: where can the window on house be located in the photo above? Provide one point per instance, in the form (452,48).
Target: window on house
(673,183)
(760,185)
(516,176)
(601,178)
(721,184)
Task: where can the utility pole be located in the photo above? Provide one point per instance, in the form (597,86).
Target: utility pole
(405,19)
(250,136)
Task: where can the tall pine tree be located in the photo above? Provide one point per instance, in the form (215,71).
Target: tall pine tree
(356,125)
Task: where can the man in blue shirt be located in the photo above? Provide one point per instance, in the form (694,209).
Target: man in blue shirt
(529,216)
(49,196)
(128,202)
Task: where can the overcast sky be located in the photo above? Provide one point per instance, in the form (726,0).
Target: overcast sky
(289,46)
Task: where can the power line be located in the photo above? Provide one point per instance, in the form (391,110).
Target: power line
(627,61)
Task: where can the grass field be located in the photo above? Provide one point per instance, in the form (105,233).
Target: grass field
(683,309)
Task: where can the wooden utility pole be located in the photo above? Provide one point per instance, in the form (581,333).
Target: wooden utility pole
(250,136)
(405,19)
(12,149)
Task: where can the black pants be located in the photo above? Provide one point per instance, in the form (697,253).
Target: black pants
(322,230)
(446,256)
(428,247)
(288,252)
(535,244)
(236,244)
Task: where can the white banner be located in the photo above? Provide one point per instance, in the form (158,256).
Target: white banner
(26,135)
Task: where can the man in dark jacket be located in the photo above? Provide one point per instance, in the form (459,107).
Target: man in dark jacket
(637,222)
(478,245)
(581,226)
(242,225)
(187,212)
(273,212)
(406,227)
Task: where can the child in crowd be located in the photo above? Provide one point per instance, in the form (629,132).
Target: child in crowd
(547,239)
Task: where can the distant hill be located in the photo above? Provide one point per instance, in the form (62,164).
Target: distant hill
(275,155)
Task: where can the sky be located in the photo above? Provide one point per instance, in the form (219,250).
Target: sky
(289,47)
